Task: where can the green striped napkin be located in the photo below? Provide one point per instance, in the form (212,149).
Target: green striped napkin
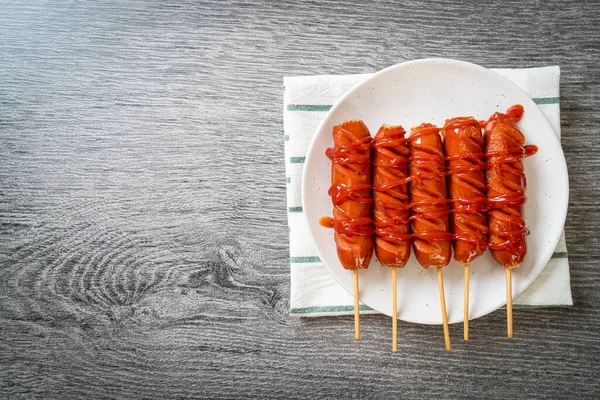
(314,292)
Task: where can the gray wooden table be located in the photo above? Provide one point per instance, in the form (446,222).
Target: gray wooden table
(143,232)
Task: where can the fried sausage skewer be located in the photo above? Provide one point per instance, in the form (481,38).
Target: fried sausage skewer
(391,215)
(430,209)
(463,143)
(350,192)
(506,185)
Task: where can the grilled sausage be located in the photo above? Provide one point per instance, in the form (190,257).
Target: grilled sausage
(430,209)
(351,193)
(463,143)
(506,184)
(391,214)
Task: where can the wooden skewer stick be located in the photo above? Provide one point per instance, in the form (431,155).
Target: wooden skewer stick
(394,312)
(356,307)
(509,314)
(466,323)
(443,302)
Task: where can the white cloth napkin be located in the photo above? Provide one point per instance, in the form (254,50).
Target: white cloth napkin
(314,292)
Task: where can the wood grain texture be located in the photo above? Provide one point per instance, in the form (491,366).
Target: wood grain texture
(143,234)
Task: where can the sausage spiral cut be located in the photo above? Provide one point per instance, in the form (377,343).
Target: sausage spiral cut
(463,143)
(391,215)
(351,193)
(506,185)
(430,209)
(430,226)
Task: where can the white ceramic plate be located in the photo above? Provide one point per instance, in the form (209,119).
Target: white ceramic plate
(433,90)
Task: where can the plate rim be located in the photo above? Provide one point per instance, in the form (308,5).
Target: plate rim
(350,92)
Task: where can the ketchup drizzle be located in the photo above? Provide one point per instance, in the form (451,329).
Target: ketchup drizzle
(350,154)
(358,152)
